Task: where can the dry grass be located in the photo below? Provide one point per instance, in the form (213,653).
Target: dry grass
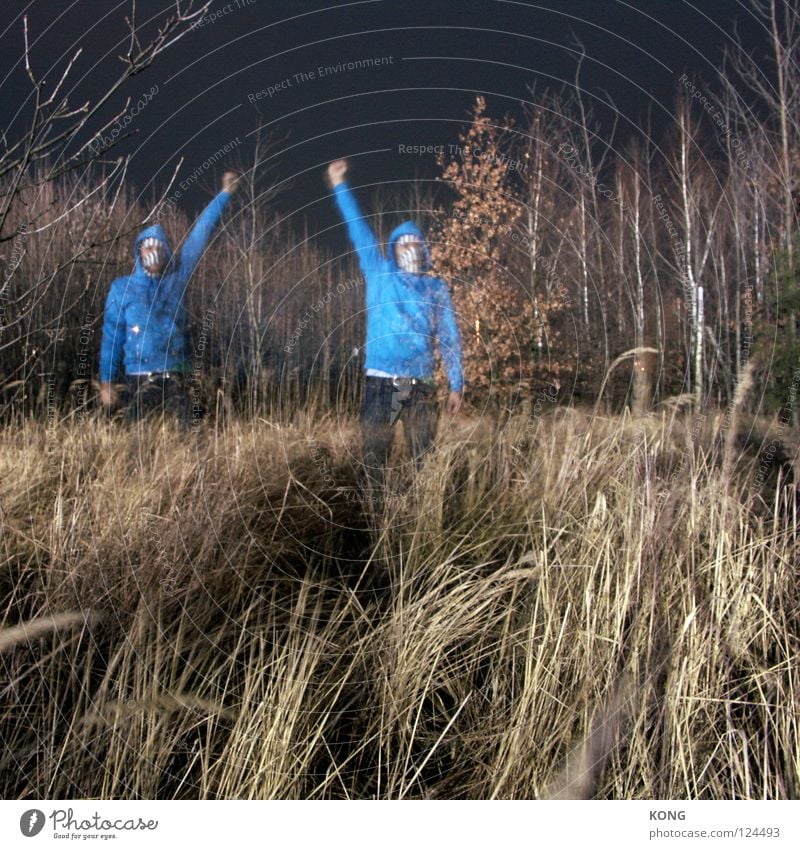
(563,606)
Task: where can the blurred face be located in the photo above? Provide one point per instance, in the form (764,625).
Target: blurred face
(153,254)
(409,253)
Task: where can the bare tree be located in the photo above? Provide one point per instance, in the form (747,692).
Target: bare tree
(699,202)
(543,173)
(255,225)
(754,85)
(632,210)
(53,123)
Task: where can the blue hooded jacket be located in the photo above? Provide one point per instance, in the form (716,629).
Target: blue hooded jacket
(406,312)
(145,317)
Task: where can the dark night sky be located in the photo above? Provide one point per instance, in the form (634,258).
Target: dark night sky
(442,53)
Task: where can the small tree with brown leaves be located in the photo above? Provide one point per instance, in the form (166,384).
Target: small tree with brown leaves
(474,242)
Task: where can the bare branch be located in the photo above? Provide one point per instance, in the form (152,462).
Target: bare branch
(166,191)
(54,95)
(27,50)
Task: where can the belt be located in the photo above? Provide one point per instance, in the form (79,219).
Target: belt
(400,382)
(153,376)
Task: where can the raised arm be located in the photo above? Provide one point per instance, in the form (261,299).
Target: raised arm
(450,346)
(361,234)
(197,240)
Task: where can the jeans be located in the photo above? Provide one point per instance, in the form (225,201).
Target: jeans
(159,395)
(382,405)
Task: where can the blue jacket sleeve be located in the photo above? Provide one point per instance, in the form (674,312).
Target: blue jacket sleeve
(450,339)
(361,235)
(114,330)
(197,240)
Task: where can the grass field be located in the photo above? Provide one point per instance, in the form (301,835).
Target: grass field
(558,606)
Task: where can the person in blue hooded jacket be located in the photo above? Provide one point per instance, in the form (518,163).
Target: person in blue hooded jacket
(408,310)
(144,323)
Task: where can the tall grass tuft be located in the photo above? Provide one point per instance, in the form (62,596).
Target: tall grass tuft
(555,606)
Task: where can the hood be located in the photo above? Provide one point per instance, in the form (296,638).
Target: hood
(154,231)
(408,228)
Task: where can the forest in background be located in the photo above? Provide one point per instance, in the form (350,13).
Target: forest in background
(581,267)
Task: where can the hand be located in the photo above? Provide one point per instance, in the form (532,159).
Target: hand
(108,395)
(453,403)
(230,182)
(337,171)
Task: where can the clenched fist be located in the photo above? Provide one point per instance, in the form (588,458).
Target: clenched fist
(230,182)
(337,171)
